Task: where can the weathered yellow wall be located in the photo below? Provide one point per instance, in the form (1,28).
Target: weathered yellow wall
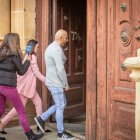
(18,16)
(4,17)
(17,19)
(29,19)
(23,19)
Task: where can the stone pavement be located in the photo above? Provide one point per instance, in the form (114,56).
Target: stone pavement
(16,133)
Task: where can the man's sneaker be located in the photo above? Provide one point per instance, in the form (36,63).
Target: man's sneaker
(65,136)
(40,123)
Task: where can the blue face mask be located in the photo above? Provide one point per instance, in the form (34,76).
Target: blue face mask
(28,50)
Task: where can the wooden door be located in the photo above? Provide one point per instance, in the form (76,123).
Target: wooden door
(71,16)
(123,29)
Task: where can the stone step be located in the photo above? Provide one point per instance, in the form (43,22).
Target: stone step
(78,119)
(77,130)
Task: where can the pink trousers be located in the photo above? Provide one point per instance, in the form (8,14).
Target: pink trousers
(11,94)
(36,101)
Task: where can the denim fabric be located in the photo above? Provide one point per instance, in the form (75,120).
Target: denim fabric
(60,103)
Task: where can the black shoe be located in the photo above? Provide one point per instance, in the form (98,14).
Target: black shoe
(3,132)
(2,138)
(31,136)
(40,123)
(46,130)
(65,136)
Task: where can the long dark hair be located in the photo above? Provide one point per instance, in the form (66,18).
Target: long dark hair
(10,44)
(32,43)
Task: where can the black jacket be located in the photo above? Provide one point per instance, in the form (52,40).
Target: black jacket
(10,67)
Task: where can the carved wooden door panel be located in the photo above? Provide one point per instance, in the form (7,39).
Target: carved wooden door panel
(123,41)
(71,16)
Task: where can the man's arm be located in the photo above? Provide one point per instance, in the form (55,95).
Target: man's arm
(58,58)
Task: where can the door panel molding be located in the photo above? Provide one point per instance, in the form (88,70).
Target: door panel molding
(102,70)
(120,88)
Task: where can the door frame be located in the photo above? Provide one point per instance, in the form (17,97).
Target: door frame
(96,94)
(91,71)
(43,36)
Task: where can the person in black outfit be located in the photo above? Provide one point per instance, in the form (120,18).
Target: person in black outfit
(10,66)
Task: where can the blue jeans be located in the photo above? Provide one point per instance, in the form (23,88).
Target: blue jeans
(60,103)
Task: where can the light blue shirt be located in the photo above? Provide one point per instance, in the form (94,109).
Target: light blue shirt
(55,70)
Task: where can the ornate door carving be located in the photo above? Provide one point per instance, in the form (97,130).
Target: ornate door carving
(123,41)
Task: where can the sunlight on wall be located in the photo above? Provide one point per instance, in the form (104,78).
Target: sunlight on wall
(4,17)
(29,19)
(18,16)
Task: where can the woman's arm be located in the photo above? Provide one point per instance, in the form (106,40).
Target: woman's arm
(21,68)
(36,70)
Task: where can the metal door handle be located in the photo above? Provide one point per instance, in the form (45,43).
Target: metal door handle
(74,34)
(80,58)
(124,36)
(123,7)
(138,37)
(65,18)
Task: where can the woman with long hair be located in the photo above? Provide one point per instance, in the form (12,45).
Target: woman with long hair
(26,85)
(11,65)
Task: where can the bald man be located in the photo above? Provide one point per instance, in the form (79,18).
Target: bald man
(57,83)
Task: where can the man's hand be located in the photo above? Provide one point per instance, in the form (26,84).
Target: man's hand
(67,88)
